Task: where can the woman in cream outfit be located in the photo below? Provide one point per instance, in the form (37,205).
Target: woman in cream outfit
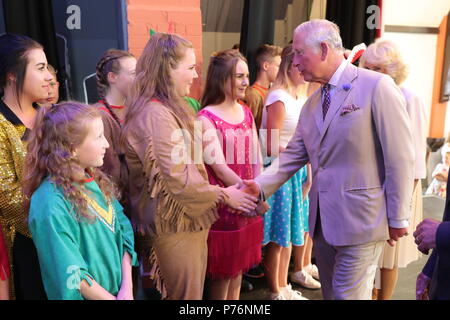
(384,56)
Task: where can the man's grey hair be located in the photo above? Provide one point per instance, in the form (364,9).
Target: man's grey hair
(317,31)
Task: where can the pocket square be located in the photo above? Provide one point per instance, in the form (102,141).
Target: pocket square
(349,108)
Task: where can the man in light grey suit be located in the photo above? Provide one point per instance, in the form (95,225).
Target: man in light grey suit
(355,133)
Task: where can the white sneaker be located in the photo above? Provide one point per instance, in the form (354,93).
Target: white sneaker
(291,294)
(304,279)
(276,296)
(312,270)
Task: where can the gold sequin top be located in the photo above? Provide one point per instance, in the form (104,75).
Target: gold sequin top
(12,157)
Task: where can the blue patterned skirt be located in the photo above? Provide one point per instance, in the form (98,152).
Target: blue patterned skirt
(287,219)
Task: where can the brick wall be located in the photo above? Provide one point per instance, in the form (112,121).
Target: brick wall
(182,16)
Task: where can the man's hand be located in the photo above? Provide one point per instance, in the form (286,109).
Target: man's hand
(250,187)
(425,235)
(422,287)
(242,202)
(262,208)
(395,234)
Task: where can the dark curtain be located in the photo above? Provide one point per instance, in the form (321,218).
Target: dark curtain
(351,17)
(258,25)
(35,19)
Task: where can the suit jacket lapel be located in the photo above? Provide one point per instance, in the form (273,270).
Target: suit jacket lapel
(317,102)
(347,77)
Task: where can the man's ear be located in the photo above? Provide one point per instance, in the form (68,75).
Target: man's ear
(324,49)
(265,65)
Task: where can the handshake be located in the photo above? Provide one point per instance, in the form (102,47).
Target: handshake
(244,199)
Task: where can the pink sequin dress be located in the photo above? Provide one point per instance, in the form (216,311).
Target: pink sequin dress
(234,241)
(4,263)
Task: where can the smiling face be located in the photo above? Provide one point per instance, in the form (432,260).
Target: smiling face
(37,79)
(238,83)
(91,151)
(185,73)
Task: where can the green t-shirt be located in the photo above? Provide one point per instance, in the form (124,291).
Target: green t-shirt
(195,105)
(70,250)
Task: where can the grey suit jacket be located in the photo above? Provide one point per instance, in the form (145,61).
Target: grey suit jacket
(362,159)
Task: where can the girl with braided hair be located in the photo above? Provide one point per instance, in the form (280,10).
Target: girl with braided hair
(115,74)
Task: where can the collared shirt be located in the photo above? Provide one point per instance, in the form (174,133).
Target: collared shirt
(334,81)
(15,121)
(8,114)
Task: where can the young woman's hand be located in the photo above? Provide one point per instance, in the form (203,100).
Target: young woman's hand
(240,200)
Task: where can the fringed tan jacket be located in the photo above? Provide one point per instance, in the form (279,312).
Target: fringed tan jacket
(166,196)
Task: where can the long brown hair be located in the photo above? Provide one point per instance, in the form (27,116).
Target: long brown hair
(58,131)
(222,66)
(162,54)
(109,62)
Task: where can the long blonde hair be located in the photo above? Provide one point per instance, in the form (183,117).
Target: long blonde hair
(58,131)
(162,54)
(283,81)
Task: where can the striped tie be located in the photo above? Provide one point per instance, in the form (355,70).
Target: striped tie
(326,99)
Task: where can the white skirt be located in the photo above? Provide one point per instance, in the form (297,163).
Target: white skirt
(405,250)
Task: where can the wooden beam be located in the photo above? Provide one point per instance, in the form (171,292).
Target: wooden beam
(410,29)
(438,109)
